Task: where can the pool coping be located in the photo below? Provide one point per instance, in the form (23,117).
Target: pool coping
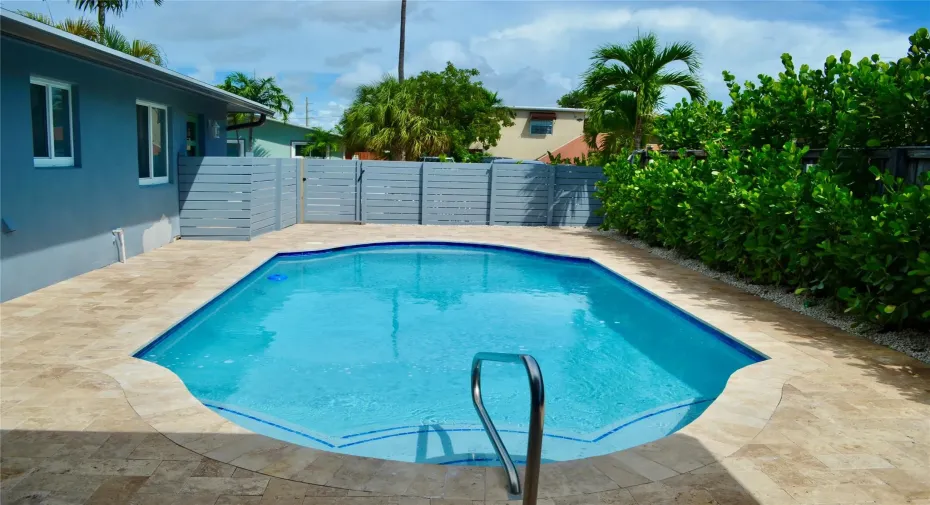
(738,414)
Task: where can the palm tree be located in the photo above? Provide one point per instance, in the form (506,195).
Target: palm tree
(141,49)
(403,28)
(625,83)
(112,38)
(320,139)
(102,6)
(264,91)
(382,118)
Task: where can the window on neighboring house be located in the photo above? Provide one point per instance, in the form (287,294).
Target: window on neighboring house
(52,132)
(235,148)
(298,149)
(152,145)
(541,127)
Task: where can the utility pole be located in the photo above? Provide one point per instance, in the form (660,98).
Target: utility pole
(403,30)
(307,111)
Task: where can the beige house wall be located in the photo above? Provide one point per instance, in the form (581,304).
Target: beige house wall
(517,142)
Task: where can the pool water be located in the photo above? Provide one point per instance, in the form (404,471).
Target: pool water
(368,351)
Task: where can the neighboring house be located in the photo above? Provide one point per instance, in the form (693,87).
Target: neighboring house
(576,148)
(89,146)
(274,139)
(537,130)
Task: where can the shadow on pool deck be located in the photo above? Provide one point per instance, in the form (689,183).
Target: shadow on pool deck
(125,467)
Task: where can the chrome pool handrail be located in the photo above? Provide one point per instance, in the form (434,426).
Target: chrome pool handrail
(537,412)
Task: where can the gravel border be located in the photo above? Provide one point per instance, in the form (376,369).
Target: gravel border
(914,343)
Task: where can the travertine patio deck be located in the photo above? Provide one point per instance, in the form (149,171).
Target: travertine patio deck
(830,418)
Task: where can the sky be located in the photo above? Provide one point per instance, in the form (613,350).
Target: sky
(529,52)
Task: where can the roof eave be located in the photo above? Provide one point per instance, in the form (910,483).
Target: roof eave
(33,32)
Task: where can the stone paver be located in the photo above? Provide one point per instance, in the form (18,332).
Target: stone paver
(830,418)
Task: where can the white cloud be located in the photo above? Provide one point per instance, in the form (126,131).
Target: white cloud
(363,73)
(529,52)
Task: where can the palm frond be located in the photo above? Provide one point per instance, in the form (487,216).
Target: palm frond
(147,51)
(35,16)
(683,80)
(684,52)
(81,27)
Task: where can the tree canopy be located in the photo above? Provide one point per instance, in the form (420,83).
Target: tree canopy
(574,99)
(111,38)
(432,113)
(625,83)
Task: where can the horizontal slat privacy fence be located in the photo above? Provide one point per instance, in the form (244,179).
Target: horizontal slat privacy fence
(236,198)
(449,193)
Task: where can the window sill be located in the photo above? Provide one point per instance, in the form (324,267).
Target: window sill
(160,181)
(54,163)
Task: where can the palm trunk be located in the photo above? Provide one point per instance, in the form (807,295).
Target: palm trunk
(638,123)
(101,18)
(638,133)
(403,28)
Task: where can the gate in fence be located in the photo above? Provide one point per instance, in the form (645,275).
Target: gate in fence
(449,193)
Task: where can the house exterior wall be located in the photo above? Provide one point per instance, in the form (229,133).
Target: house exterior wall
(517,142)
(63,217)
(273,139)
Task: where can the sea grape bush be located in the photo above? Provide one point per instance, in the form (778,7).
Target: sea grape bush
(763,215)
(871,103)
(752,207)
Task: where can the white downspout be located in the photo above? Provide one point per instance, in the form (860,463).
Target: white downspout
(120,244)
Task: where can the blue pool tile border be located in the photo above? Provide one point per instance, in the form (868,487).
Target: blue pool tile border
(717,333)
(253,417)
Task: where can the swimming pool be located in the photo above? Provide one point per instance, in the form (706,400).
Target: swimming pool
(367,350)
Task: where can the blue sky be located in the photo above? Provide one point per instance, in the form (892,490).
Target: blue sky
(529,52)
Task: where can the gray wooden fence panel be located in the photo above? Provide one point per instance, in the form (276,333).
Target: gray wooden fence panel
(521,194)
(456,193)
(391,192)
(236,198)
(575,202)
(330,191)
(289,192)
(448,193)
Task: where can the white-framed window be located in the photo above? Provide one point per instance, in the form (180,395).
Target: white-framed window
(297,151)
(52,123)
(541,127)
(152,143)
(235,148)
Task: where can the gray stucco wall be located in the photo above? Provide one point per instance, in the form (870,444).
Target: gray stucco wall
(63,217)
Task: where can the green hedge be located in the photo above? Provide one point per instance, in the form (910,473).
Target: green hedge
(760,214)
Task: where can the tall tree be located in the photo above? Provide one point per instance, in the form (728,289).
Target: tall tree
(432,113)
(112,38)
(321,141)
(574,99)
(383,119)
(403,29)
(117,7)
(638,72)
(462,107)
(264,91)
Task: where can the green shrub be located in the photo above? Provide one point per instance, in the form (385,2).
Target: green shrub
(761,215)
(830,230)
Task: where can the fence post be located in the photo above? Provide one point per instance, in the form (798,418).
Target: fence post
(277,194)
(301,179)
(360,186)
(423,186)
(492,200)
(551,187)
(358,195)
